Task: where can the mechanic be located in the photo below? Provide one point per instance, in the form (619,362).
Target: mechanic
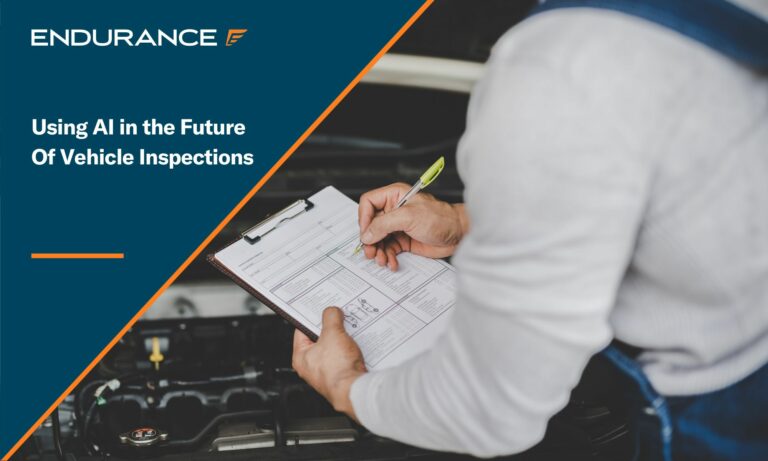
(616,178)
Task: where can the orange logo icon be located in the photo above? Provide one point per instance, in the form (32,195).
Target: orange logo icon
(234,35)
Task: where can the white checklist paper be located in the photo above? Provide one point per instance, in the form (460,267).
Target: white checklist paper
(307,264)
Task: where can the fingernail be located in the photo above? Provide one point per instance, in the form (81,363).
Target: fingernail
(367,237)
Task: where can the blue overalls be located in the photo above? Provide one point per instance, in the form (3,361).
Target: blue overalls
(732,423)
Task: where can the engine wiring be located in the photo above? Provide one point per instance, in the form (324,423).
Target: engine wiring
(56,427)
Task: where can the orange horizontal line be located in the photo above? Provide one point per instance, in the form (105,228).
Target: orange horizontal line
(78,255)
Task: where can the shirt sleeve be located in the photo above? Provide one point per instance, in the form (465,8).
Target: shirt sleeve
(555,192)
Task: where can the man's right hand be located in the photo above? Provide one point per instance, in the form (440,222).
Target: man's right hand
(424,226)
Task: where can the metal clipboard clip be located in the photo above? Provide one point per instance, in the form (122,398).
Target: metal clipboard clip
(255,233)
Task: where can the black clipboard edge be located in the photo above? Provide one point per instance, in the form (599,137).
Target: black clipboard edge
(211,257)
(256,294)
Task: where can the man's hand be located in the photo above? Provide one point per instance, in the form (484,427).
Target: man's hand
(331,364)
(424,226)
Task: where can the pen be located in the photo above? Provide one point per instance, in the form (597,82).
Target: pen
(425,180)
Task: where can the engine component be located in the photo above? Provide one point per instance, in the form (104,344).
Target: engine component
(305,431)
(143,437)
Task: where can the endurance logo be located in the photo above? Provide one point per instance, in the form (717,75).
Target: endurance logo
(234,35)
(131,38)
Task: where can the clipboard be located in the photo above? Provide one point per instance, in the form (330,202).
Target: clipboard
(253,235)
(301,260)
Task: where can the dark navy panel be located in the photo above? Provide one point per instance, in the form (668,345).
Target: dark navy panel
(58,314)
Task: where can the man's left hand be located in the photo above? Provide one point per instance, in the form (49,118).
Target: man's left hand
(331,364)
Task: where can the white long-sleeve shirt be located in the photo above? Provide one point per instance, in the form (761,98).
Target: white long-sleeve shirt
(617,185)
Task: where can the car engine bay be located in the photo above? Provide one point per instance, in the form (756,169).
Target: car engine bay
(218,388)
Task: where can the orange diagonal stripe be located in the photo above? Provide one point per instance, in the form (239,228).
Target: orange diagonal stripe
(78,255)
(223,223)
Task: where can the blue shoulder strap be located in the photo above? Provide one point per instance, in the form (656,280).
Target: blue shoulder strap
(719,24)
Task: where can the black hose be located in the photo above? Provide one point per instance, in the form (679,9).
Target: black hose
(79,416)
(56,426)
(82,395)
(279,419)
(84,392)
(87,427)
